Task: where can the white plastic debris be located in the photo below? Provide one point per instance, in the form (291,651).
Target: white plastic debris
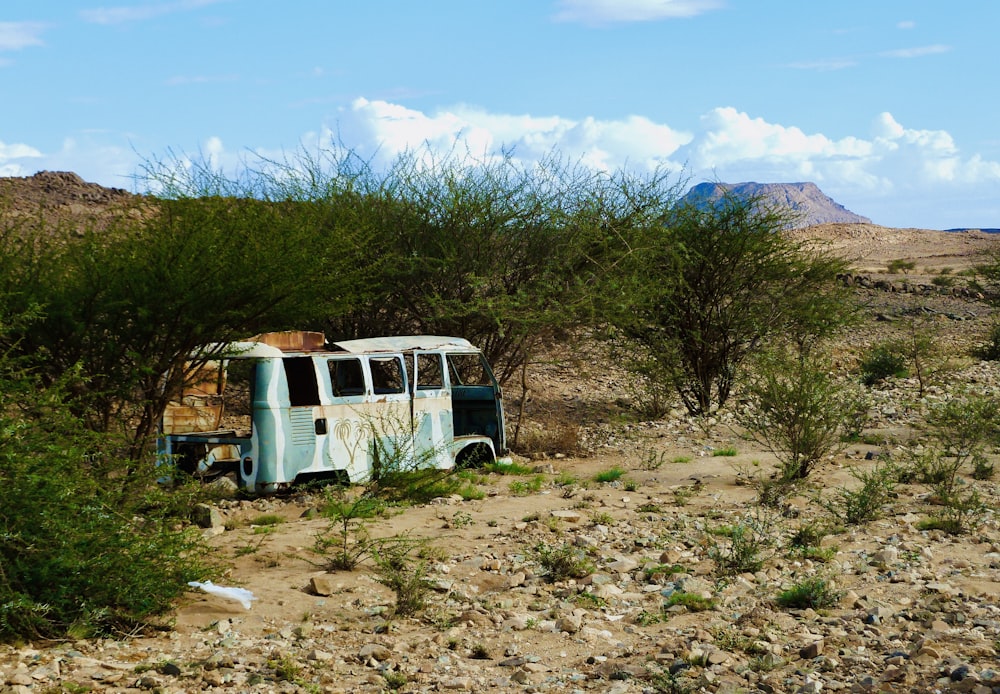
(240,595)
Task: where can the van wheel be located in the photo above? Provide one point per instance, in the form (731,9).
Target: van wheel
(475,456)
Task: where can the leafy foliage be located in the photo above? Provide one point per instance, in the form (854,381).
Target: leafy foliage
(562,562)
(85,549)
(881,362)
(747,545)
(989,348)
(960,433)
(815,592)
(709,285)
(864,503)
(129,303)
(799,411)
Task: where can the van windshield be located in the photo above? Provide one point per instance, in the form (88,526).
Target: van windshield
(468,370)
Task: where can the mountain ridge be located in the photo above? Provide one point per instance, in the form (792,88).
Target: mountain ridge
(809,204)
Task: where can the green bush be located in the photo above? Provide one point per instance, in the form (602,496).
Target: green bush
(88,545)
(563,562)
(399,567)
(900,265)
(726,280)
(692,601)
(610,475)
(800,412)
(345,542)
(882,362)
(989,349)
(812,592)
(747,547)
(860,505)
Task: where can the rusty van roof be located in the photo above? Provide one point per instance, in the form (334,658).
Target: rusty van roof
(403,344)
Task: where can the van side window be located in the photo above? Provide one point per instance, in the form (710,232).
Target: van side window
(387,375)
(346,377)
(429,376)
(302,388)
(468,370)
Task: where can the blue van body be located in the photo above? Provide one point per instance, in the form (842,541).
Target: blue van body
(301,409)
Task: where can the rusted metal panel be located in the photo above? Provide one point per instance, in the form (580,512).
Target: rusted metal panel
(200,405)
(293,340)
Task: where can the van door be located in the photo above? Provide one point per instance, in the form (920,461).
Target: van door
(305,420)
(476,397)
(349,415)
(433,424)
(391,421)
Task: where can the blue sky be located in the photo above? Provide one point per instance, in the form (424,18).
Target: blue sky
(890,106)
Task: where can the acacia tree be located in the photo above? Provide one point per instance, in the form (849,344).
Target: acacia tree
(125,305)
(712,284)
(503,253)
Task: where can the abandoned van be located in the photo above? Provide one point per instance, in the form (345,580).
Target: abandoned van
(282,408)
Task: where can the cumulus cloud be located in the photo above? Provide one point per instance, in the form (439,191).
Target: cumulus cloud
(889,160)
(879,168)
(13,159)
(607,11)
(386,130)
(17,35)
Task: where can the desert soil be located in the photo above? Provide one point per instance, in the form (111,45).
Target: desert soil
(917,609)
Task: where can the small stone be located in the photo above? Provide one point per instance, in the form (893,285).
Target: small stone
(570,624)
(623,565)
(324,586)
(812,650)
(459,683)
(170,669)
(938,587)
(374,650)
(886,556)
(206,516)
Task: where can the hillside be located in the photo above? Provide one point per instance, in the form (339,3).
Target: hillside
(805,200)
(912,610)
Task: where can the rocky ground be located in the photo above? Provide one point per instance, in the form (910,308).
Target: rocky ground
(912,610)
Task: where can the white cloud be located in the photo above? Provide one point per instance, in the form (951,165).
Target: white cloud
(13,159)
(730,136)
(17,35)
(143,12)
(906,24)
(892,160)
(605,11)
(917,52)
(390,129)
(825,65)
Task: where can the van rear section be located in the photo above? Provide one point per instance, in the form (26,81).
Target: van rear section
(282,408)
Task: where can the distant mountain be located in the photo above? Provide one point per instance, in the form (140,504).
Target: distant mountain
(806,201)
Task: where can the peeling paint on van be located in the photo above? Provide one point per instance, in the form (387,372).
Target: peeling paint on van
(281,408)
